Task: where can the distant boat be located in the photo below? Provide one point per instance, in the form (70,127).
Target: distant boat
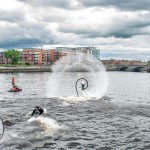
(14,88)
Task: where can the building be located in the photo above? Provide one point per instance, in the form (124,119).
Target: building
(32,56)
(46,57)
(66,51)
(3,60)
(89,51)
(36,56)
(113,62)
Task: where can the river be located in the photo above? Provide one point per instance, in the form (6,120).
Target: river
(117,121)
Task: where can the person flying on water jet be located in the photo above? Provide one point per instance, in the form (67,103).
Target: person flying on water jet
(83,84)
(37,111)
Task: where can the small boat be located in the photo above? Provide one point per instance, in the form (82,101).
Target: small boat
(15,88)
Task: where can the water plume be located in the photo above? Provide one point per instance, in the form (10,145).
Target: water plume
(69,69)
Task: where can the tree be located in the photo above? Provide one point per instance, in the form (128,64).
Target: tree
(7,55)
(148,62)
(13,55)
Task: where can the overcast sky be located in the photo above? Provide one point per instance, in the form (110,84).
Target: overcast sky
(120,28)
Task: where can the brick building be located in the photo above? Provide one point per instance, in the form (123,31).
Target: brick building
(32,56)
(39,56)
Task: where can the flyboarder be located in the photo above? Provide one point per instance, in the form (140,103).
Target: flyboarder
(37,111)
(83,84)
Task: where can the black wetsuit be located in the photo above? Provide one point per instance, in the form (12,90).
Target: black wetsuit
(82,86)
(38,111)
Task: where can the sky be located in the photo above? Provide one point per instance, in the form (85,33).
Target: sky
(119,28)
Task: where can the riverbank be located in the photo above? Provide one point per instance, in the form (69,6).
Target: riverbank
(25,69)
(128,68)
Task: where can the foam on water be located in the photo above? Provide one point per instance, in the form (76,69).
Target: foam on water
(76,99)
(47,124)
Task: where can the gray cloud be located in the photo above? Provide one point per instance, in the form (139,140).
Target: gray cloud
(20,43)
(25,43)
(119,4)
(12,16)
(121,26)
(65,4)
(25,34)
(109,24)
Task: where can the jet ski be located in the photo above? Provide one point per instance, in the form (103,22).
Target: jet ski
(15,88)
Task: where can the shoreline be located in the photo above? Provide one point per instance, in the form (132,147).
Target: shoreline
(47,69)
(24,69)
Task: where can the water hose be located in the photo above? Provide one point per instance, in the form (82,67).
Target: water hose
(2,132)
(77,85)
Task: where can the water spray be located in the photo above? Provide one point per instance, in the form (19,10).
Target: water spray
(2,124)
(85,87)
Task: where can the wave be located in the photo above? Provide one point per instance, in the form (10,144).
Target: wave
(47,124)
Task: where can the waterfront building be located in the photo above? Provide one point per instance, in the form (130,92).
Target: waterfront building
(113,62)
(32,56)
(54,55)
(46,57)
(39,56)
(3,60)
(36,56)
(66,51)
(89,51)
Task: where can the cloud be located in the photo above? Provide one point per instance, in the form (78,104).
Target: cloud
(14,16)
(64,4)
(116,24)
(110,25)
(131,5)
(25,34)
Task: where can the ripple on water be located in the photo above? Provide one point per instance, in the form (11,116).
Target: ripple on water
(91,124)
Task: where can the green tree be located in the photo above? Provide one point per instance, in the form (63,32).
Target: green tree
(148,62)
(7,55)
(13,55)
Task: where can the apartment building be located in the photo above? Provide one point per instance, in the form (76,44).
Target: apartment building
(89,51)
(39,56)
(32,56)
(3,60)
(46,57)
(36,56)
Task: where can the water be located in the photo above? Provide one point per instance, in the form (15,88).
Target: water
(118,120)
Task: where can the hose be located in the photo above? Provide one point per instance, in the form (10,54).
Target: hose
(1,135)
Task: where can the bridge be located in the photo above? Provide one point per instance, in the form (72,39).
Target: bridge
(132,68)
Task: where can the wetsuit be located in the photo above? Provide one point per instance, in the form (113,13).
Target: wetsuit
(38,111)
(83,84)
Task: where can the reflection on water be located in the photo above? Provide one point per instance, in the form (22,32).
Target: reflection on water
(119,120)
